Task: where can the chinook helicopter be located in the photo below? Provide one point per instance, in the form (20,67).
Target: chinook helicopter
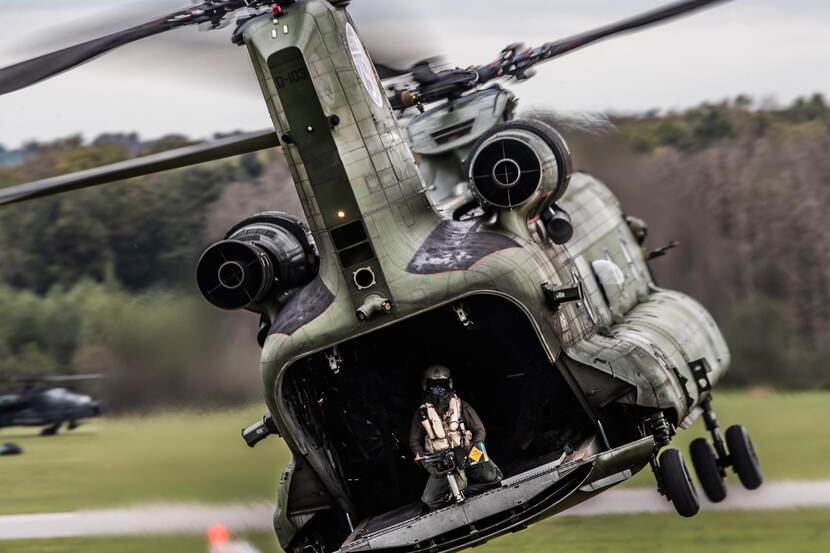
(461,236)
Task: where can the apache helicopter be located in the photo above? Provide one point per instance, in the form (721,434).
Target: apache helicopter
(462,237)
(49,407)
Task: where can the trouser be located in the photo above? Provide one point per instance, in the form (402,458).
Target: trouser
(437,490)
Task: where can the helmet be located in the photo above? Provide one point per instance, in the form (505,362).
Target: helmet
(436,372)
(638,227)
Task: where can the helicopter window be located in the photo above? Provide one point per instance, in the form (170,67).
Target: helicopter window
(594,301)
(612,283)
(59,393)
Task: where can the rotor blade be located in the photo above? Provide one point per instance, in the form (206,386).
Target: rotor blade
(172,159)
(565,45)
(26,73)
(73,377)
(386,72)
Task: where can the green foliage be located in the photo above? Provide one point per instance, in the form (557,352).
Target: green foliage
(706,125)
(140,232)
(807,109)
(158,347)
(768,349)
(251,165)
(763,340)
(672,133)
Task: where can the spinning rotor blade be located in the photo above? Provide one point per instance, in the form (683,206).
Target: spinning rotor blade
(386,72)
(52,378)
(516,60)
(73,377)
(26,73)
(172,159)
(29,72)
(35,70)
(569,44)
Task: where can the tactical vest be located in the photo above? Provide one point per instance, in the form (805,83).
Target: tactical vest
(447,431)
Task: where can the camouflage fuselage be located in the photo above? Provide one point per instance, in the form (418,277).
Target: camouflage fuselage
(357,169)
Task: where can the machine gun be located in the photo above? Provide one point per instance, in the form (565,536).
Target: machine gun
(444,463)
(517,61)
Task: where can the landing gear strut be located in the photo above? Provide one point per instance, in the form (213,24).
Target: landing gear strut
(52,429)
(743,456)
(710,464)
(671,473)
(677,483)
(711,461)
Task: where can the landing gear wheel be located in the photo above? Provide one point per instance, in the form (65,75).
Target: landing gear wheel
(50,430)
(708,472)
(743,457)
(678,483)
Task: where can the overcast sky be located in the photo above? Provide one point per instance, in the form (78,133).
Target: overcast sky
(197,83)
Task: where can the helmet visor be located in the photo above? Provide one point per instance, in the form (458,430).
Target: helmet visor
(438,386)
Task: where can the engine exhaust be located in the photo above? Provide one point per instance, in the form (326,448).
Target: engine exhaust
(263,254)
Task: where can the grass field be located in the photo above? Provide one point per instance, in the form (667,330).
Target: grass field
(119,461)
(770,532)
(201,457)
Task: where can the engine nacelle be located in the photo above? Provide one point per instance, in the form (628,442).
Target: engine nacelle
(264,254)
(519,164)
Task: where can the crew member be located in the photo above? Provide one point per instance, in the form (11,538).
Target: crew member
(444,421)
(639,229)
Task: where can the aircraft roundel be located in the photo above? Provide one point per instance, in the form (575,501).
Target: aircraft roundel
(364,66)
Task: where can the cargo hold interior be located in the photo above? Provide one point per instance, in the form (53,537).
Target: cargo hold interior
(361,413)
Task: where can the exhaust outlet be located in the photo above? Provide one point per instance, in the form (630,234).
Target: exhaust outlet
(557,224)
(263,254)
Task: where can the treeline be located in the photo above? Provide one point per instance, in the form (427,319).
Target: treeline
(101,280)
(710,124)
(138,233)
(156,347)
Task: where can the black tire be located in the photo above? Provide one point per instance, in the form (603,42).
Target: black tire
(50,430)
(10,449)
(743,457)
(678,483)
(708,472)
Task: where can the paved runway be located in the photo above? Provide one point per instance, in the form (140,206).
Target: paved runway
(196,518)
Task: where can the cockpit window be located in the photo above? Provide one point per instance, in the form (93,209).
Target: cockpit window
(64,395)
(612,282)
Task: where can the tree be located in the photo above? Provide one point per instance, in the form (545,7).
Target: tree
(709,125)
